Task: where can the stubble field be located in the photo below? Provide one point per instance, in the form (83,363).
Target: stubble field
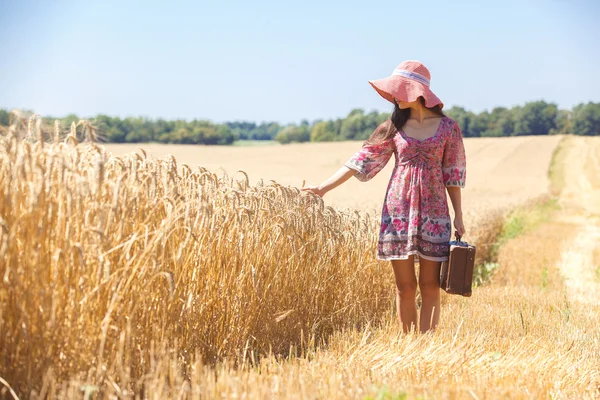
(501,172)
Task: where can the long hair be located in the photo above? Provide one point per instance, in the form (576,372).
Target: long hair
(399,116)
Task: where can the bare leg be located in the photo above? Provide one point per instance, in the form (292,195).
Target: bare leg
(406,290)
(429,275)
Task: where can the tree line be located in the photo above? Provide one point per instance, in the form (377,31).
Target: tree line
(533,118)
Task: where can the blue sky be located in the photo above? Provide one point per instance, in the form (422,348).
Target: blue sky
(285,61)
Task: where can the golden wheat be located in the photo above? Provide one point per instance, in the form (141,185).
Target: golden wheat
(130,277)
(108,260)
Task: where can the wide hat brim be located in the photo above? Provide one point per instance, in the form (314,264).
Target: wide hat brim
(405,89)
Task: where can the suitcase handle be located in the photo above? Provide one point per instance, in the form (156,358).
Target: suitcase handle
(458,237)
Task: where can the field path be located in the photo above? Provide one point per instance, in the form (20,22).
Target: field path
(580,200)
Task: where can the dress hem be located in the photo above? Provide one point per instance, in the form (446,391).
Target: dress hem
(405,257)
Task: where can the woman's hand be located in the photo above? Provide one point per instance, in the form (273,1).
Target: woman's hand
(341,176)
(459,225)
(315,189)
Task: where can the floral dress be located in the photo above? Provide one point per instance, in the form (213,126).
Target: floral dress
(415,218)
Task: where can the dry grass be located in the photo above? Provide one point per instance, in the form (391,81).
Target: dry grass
(516,338)
(596,260)
(131,277)
(108,262)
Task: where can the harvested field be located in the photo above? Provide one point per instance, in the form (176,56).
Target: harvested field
(501,172)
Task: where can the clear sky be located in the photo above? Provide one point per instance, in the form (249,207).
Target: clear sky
(285,61)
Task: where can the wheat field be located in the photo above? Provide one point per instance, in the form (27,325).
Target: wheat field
(133,275)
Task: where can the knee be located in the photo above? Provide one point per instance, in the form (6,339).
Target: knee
(406,290)
(429,289)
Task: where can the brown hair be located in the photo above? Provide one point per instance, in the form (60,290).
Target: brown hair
(398,118)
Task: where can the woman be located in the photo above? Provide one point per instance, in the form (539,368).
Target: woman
(415,220)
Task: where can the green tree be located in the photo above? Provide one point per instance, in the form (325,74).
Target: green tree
(563,123)
(586,119)
(535,118)
(226,135)
(371,121)
(499,123)
(353,126)
(4,117)
(356,111)
(293,133)
(109,129)
(210,136)
(137,130)
(478,123)
(323,131)
(66,122)
(272,129)
(181,136)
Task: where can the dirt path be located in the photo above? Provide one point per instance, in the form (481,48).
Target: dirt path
(577,265)
(580,200)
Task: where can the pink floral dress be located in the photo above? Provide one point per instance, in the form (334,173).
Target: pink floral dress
(415,218)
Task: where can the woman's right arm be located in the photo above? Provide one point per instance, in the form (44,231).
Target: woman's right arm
(364,164)
(341,176)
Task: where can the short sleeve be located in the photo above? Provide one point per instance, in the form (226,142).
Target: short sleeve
(454,164)
(371,159)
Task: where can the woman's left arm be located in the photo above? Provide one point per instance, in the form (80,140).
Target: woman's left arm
(454,193)
(454,171)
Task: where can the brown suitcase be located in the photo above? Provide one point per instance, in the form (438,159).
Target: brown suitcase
(456,274)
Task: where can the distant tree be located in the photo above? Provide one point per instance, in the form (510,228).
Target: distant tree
(283,136)
(293,133)
(478,123)
(250,131)
(563,123)
(499,123)
(356,111)
(181,136)
(337,124)
(242,129)
(108,129)
(535,118)
(371,121)
(353,126)
(586,119)
(164,137)
(225,134)
(323,131)
(210,136)
(4,117)
(66,121)
(272,129)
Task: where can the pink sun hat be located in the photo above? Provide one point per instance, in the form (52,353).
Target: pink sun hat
(408,81)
